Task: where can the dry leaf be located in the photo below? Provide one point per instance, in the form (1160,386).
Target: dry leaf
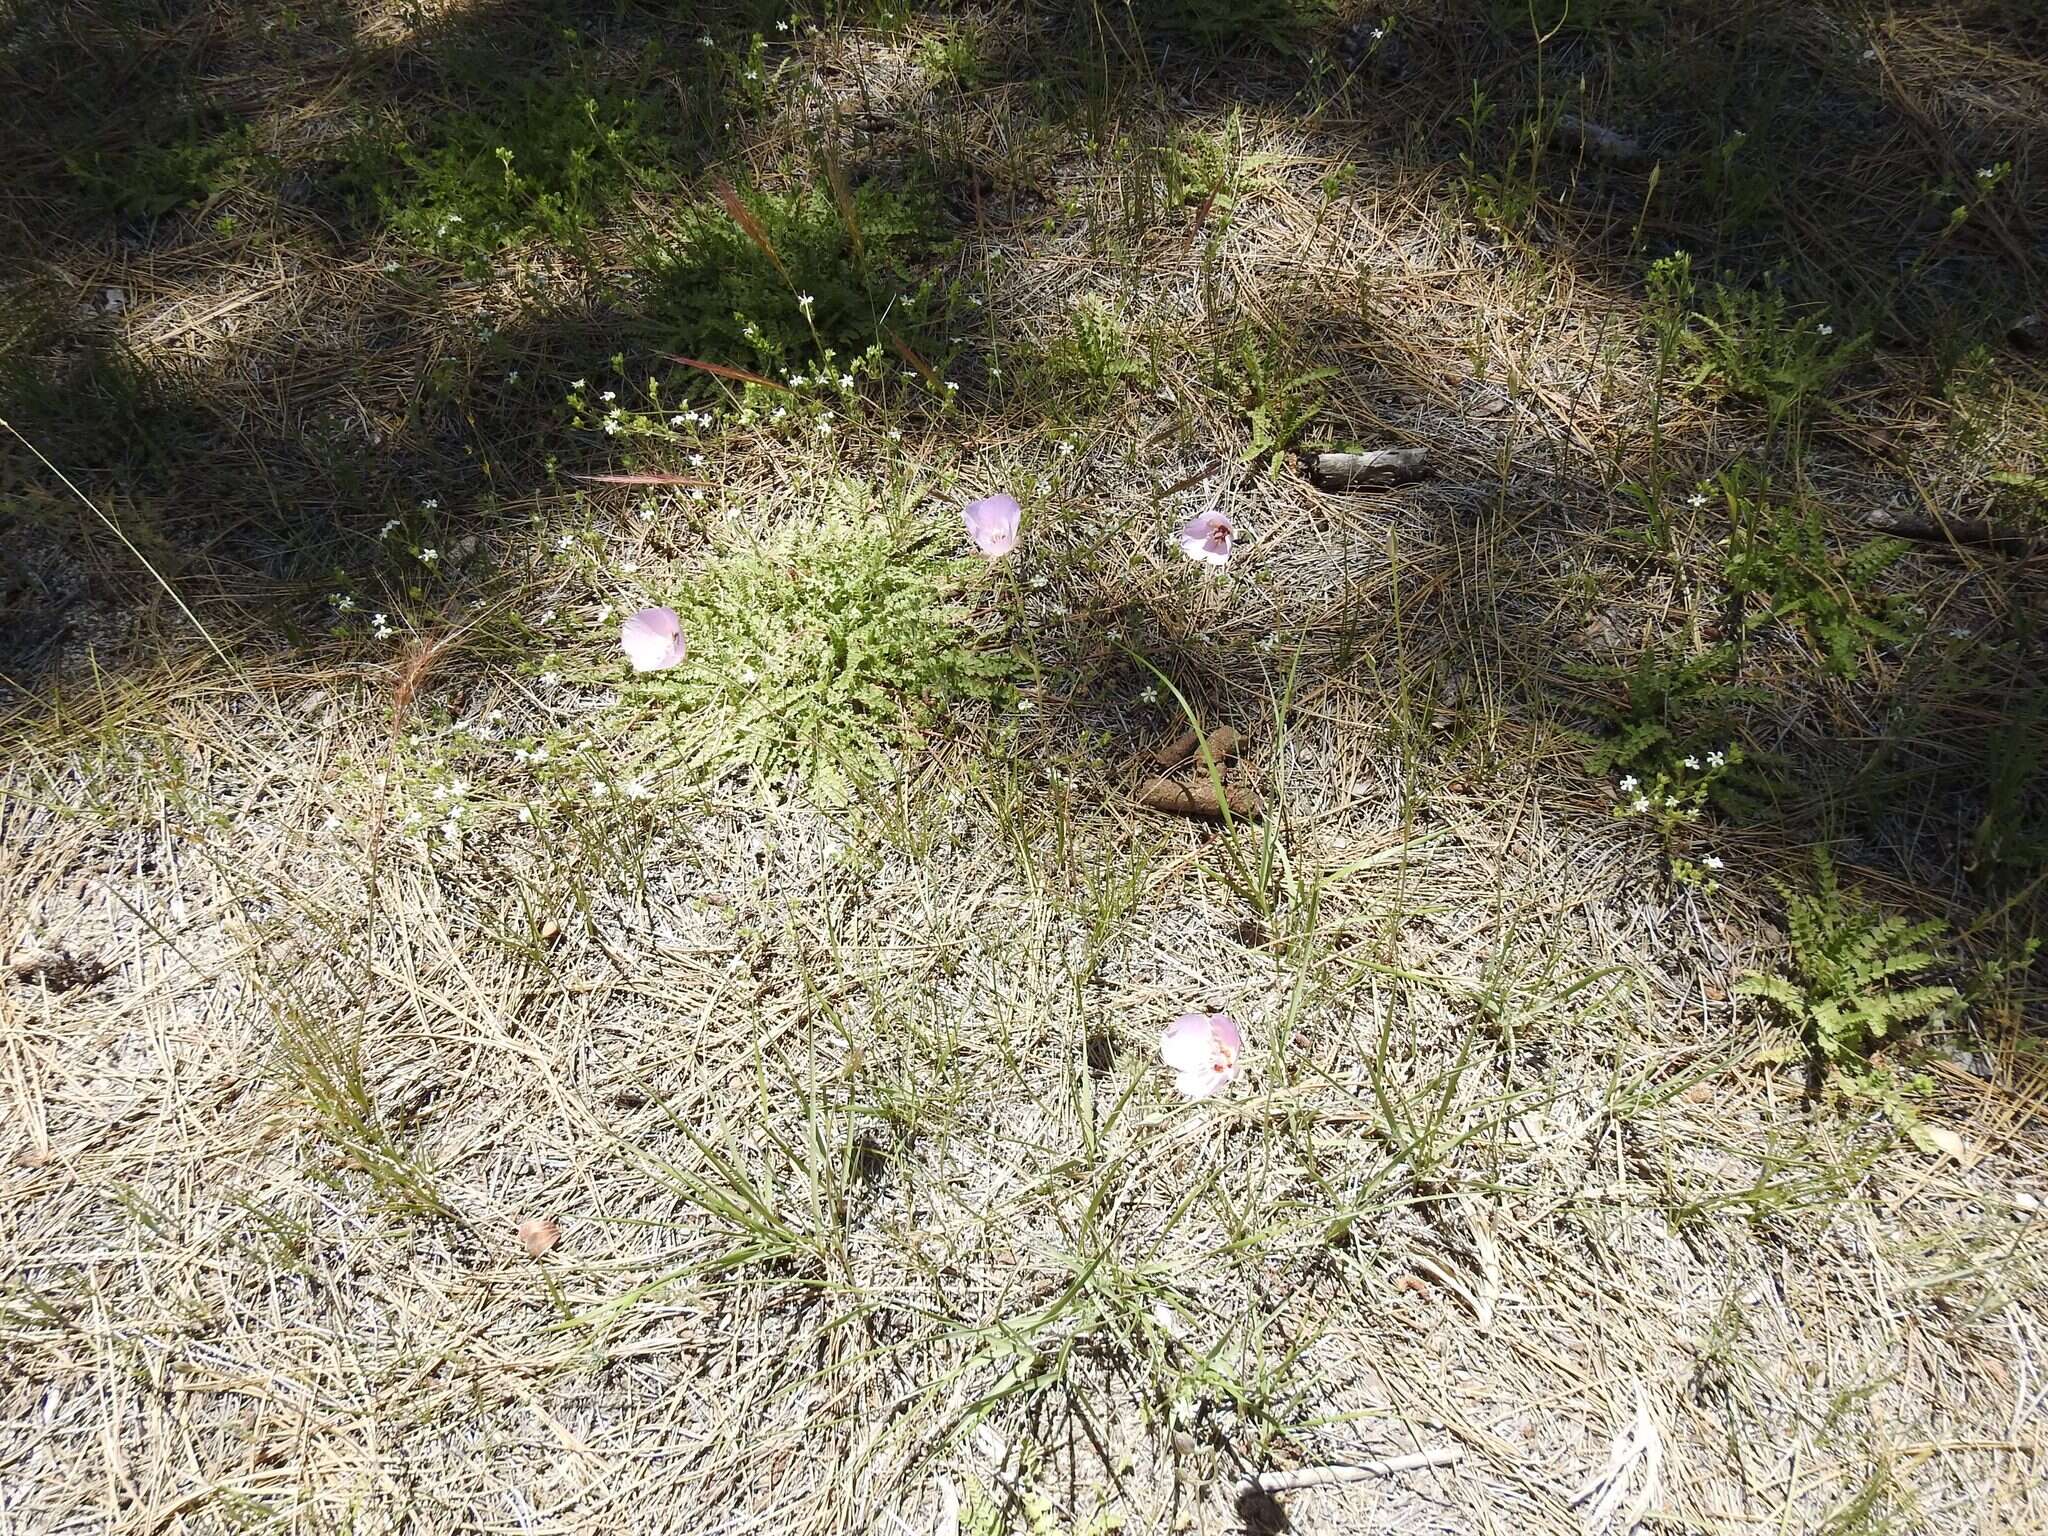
(1944,1141)
(537,1234)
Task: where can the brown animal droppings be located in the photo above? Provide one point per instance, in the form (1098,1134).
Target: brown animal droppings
(1198,799)
(1222,743)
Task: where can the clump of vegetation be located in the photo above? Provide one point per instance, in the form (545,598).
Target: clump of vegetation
(1670,704)
(955,57)
(1749,343)
(1782,554)
(1280,399)
(1856,977)
(1096,349)
(815,649)
(206,155)
(548,162)
(1229,23)
(762,277)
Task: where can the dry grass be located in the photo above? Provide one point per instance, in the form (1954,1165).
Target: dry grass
(876,1210)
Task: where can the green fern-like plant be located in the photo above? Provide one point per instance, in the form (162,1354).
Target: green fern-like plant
(1668,706)
(1782,554)
(1097,349)
(1856,971)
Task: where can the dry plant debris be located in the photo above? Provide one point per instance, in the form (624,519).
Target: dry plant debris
(384,360)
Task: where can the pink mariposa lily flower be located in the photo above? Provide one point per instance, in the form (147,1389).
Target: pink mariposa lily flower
(1208,538)
(653,639)
(992,524)
(1203,1049)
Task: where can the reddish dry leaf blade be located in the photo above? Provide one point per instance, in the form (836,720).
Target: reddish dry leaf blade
(903,350)
(743,216)
(721,371)
(842,194)
(1192,480)
(537,1234)
(649,478)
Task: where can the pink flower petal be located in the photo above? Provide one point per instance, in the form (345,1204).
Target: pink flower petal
(992,524)
(653,639)
(1208,538)
(1203,1051)
(1187,1042)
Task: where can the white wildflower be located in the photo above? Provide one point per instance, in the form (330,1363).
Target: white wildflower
(1628,784)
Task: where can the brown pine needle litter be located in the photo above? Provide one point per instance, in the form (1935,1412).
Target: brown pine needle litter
(454,1083)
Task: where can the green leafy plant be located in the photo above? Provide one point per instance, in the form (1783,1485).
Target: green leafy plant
(1279,402)
(549,160)
(955,57)
(1781,553)
(203,157)
(1855,976)
(1499,198)
(1669,704)
(1097,348)
(1748,344)
(764,278)
(813,651)
(1671,798)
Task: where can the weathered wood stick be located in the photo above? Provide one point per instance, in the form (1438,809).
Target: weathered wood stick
(1222,743)
(1198,799)
(1364,471)
(1349,1472)
(1959,530)
(1600,143)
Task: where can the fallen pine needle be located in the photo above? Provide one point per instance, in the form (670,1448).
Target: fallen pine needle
(1345,1472)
